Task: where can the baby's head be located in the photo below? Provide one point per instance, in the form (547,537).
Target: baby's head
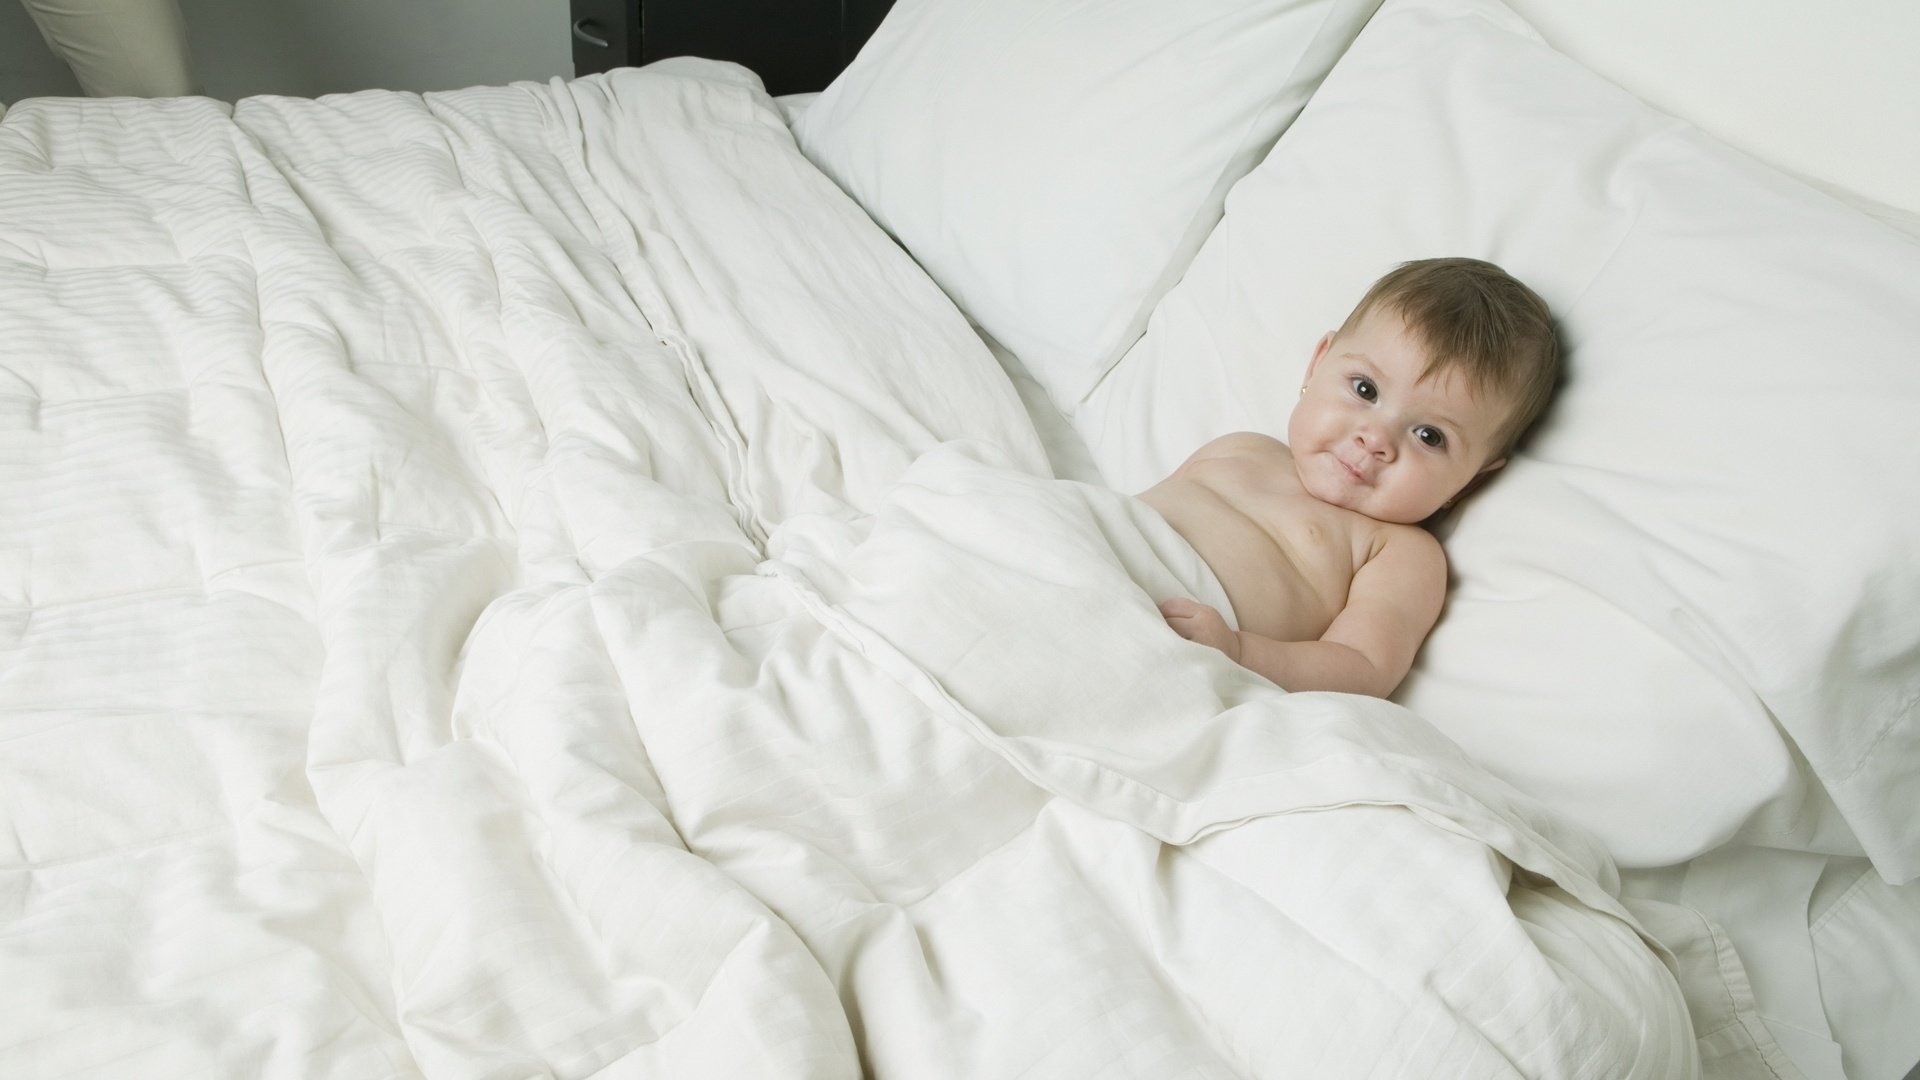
(1439,370)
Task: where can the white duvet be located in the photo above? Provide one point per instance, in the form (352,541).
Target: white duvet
(531,582)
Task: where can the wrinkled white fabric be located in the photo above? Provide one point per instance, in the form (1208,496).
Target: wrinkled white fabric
(530,582)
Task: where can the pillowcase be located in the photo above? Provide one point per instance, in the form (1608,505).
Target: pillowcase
(1686,610)
(1054,164)
(1814,89)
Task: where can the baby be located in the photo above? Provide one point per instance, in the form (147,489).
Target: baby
(1316,541)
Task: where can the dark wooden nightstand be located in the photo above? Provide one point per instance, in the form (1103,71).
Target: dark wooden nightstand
(794,45)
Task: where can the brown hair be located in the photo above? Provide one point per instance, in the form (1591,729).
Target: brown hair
(1475,318)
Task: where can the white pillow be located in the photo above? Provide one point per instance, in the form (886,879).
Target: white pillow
(1712,543)
(1054,164)
(1818,90)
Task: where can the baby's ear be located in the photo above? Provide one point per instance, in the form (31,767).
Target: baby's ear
(1320,350)
(1475,481)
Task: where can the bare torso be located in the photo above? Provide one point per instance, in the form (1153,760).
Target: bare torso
(1285,558)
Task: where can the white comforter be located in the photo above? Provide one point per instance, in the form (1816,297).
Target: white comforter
(530,582)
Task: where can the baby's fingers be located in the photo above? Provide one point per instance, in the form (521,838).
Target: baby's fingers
(1181,607)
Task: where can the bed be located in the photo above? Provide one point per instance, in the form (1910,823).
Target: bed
(628,577)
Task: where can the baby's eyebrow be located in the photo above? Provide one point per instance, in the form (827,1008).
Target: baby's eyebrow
(1365,361)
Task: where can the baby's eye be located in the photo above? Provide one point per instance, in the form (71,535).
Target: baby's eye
(1365,388)
(1431,437)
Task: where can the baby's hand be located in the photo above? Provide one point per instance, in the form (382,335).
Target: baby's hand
(1196,621)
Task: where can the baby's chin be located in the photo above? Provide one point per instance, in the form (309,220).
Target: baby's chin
(1362,501)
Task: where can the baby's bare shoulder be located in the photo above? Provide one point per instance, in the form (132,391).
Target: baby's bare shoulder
(1240,444)
(1408,550)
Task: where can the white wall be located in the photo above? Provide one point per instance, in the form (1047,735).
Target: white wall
(313,47)
(27,67)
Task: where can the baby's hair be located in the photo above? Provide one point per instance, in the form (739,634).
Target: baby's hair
(1475,318)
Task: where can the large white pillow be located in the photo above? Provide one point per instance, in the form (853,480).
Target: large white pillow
(1054,164)
(1820,90)
(1698,587)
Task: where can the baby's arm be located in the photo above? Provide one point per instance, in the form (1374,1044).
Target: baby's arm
(1391,604)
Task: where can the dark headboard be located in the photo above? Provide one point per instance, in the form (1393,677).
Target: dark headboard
(794,45)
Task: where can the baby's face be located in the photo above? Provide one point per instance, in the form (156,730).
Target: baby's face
(1369,436)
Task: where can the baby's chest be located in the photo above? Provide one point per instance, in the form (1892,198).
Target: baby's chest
(1294,577)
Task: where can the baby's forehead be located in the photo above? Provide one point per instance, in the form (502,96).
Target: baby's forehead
(1457,377)
(1457,385)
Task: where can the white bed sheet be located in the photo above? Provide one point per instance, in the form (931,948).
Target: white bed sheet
(476,600)
(1832,950)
